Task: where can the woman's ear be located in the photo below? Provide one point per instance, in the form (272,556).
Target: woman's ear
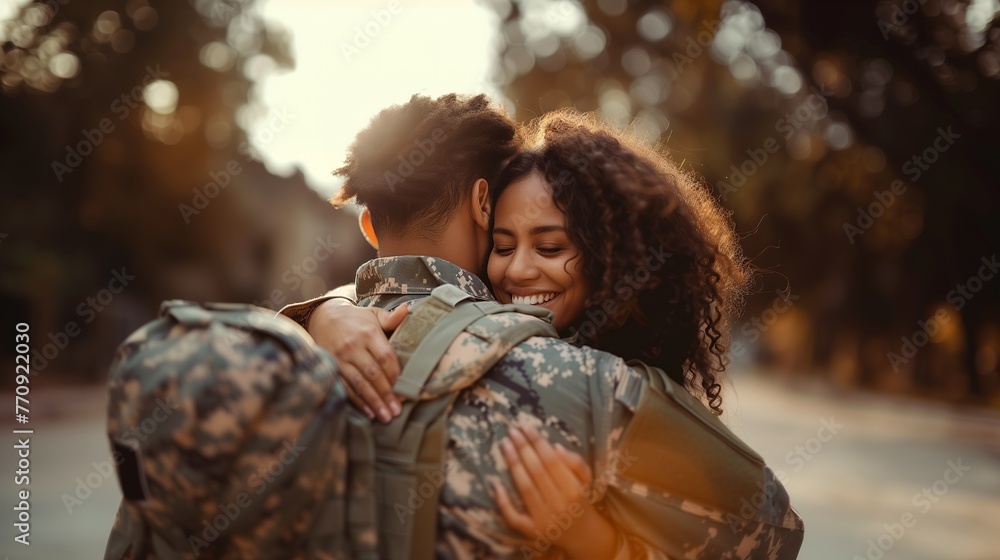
(480,201)
(367,230)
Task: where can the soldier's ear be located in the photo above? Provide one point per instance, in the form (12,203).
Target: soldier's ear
(367,230)
(480,203)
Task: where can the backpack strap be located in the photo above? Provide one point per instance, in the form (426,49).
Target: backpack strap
(431,337)
(288,333)
(411,447)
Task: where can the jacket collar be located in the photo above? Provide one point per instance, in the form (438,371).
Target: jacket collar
(382,281)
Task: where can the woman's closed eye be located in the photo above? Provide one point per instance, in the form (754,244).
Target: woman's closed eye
(550,251)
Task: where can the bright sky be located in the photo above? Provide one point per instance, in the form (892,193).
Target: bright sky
(353,60)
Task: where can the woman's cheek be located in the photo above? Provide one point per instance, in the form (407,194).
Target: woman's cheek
(495,270)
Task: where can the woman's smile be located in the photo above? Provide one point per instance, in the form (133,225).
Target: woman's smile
(536,299)
(534,262)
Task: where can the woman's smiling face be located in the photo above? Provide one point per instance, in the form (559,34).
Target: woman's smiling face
(533,260)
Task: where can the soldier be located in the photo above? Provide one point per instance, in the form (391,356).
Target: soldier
(673,481)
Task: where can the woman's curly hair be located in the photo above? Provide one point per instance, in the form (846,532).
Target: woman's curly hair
(660,254)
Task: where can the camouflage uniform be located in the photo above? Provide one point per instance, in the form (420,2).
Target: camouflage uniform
(672,478)
(228,432)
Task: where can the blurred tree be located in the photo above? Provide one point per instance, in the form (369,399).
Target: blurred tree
(803,117)
(124,152)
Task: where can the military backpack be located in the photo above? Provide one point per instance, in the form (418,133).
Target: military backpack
(233,438)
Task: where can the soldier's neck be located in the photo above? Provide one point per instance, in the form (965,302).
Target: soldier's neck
(458,250)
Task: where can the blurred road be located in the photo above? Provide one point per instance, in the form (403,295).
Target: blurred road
(880,456)
(856,466)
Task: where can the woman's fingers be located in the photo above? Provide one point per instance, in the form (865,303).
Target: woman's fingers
(557,481)
(390,320)
(379,347)
(577,464)
(358,401)
(361,385)
(356,338)
(543,469)
(523,481)
(515,518)
(387,404)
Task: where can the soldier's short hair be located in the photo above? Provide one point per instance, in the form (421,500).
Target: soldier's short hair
(416,161)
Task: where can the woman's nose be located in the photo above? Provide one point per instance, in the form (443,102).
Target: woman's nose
(522,267)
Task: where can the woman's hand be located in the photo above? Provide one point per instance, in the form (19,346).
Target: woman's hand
(356,337)
(554,486)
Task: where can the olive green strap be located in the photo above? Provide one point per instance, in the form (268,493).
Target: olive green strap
(431,335)
(412,446)
(430,462)
(362,511)
(436,342)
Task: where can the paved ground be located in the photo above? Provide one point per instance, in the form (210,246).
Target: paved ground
(874,470)
(878,456)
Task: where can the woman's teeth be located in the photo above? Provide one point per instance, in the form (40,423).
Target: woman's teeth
(533,300)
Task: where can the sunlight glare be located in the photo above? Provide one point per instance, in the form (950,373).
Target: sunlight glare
(351,61)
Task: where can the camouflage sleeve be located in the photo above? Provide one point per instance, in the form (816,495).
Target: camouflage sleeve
(666,472)
(628,547)
(682,485)
(631,547)
(300,312)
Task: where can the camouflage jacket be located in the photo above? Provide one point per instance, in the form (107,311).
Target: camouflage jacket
(674,480)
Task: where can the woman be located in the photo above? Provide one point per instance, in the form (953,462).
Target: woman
(644,263)
(632,256)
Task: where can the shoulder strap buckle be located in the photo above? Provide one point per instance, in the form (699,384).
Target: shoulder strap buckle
(187,313)
(451,294)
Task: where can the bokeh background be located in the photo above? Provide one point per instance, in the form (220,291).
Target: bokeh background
(156,150)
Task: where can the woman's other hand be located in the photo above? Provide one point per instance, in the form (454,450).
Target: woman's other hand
(554,485)
(357,339)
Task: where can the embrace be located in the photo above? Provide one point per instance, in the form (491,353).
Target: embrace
(579,393)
